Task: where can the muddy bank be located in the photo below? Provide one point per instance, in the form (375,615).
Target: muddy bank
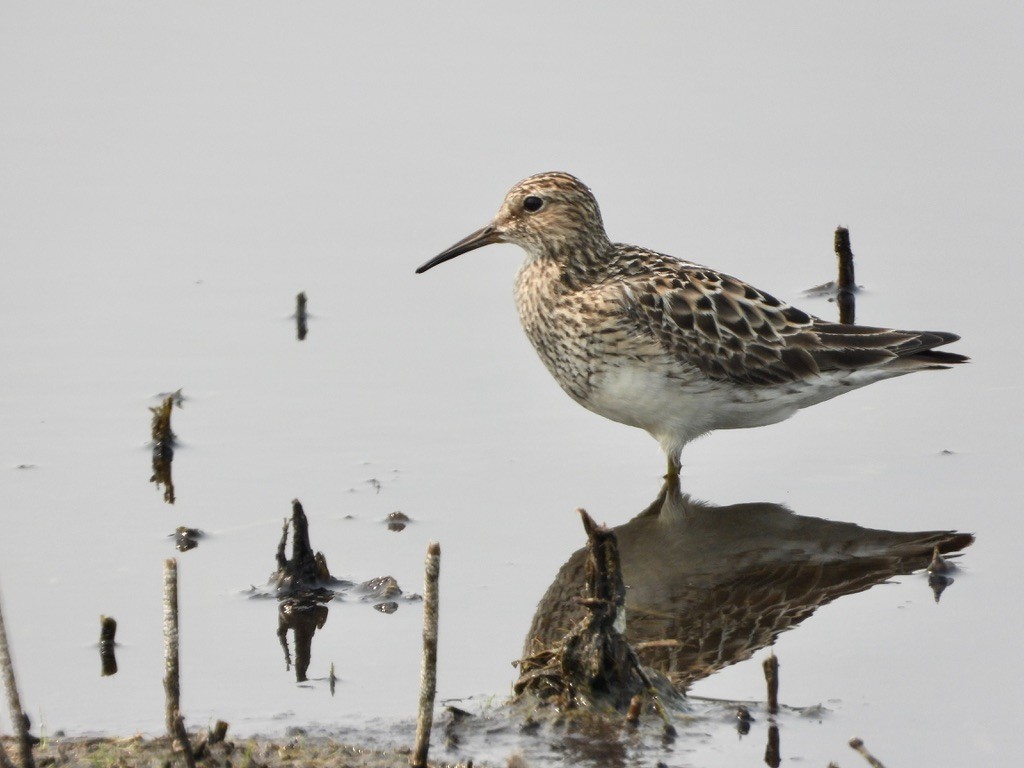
(141,752)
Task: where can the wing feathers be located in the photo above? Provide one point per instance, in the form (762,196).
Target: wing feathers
(730,330)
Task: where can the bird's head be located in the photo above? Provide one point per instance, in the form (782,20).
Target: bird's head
(552,215)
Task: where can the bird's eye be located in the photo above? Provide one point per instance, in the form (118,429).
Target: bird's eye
(532,204)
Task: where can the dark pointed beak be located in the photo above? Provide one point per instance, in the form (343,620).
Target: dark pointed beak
(478,239)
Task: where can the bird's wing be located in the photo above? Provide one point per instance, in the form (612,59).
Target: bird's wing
(732,331)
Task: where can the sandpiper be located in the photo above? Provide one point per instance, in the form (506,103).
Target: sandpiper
(667,345)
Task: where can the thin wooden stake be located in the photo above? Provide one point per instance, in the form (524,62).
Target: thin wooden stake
(172,687)
(428,674)
(14,701)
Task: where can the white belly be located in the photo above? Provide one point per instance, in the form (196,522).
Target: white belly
(678,409)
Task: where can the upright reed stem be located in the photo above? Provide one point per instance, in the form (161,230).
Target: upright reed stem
(172,687)
(428,674)
(14,700)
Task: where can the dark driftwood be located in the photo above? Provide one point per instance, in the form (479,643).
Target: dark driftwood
(302,583)
(306,569)
(592,666)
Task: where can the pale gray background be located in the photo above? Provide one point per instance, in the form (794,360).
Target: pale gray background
(173,173)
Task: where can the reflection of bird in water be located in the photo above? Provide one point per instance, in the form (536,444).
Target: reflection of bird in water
(708,586)
(673,347)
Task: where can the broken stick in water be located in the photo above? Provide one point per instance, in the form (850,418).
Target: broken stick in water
(845,287)
(172,687)
(771,676)
(428,675)
(772,751)
(164,441)
(858,745)
(300,316)
(939,573)
(218,732)
(635,707)
(18,718)
(108,662)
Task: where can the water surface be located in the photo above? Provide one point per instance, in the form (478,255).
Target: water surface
(174,176)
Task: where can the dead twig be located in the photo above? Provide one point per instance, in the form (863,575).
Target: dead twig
(858,745)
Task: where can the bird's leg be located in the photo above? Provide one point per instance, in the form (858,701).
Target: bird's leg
(672,476)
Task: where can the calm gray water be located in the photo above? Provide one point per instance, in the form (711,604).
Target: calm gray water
(173,174)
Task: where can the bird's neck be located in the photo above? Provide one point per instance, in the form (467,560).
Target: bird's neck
(571,264)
